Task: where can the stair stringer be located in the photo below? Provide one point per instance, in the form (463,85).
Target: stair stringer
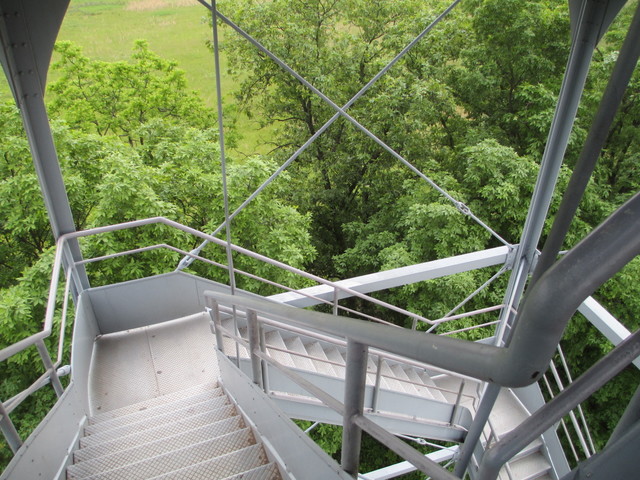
(394,410)
(293,450)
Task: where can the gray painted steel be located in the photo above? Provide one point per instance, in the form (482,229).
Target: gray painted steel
(552,412)
(355,380)
(300,456)
(398,276)
(46,451)
(543,316)
(148,301)
(28,29)
(398,409)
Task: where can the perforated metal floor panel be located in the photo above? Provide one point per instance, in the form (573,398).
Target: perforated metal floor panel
(135,365)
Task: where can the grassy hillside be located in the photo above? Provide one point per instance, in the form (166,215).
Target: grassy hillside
(175,29)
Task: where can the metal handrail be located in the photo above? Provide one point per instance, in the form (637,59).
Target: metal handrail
(294,376)
(422,463)
(37,338)
(343,343)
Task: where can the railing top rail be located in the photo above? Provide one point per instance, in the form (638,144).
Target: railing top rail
(244,251)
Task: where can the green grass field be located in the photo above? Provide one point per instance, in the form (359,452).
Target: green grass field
(175,29)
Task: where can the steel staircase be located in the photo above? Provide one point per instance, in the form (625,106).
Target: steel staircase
(310,357)
(210,440)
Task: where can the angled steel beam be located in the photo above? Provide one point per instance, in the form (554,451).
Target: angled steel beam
(28,29)
(398,277)
(591,18)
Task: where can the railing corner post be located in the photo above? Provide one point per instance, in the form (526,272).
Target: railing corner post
(216,324)
(254,345)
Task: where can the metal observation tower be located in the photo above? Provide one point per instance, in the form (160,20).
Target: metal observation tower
(175,376)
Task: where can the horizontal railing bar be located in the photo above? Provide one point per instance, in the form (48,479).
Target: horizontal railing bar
(480,311)
(15,401)
(23,344)
(373,351)
(236,248)
(320,394)
(474,327)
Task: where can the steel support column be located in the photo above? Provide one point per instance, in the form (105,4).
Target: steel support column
(28,29)
(354,391)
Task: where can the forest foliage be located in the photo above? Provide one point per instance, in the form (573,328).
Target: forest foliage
(470,106)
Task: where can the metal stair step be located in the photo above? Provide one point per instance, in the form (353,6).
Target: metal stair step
(135,455)
(234,463)
(170,426)
(427,380)
(216,427)
(274,339)
(372,367)
(122,427)
(294,344)
(390,377)
(321,364)
(162,409)
(229,345)
(265,472)
(334,355)
(507,413)
(230,444)
(423,391)
(152,402)
(530,449)
(530,467)
(401,375)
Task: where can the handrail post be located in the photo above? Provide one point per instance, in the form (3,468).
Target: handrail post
(354,390)
(335,301)
(9,430)
(376,388)
(265,365)
(48,364)
(254,345)
(216,323)
(456,407)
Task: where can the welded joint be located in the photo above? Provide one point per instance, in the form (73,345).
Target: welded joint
(511,257)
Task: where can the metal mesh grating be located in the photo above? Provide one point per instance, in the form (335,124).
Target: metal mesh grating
(161,429)
(169,413)
(266,472)
(158,457)
(191,455)
(227,466)
(211,388)
(137,365)
(216,428)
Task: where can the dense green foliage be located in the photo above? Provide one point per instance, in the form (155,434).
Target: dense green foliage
(470,107)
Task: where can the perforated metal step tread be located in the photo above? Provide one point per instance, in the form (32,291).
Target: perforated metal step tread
(176,408)
(216,427)
(154,402)
(230,465)
(265,472)
(153,459)
(530,467)
(137,425)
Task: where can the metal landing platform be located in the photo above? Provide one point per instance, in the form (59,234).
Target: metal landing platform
(135,365)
